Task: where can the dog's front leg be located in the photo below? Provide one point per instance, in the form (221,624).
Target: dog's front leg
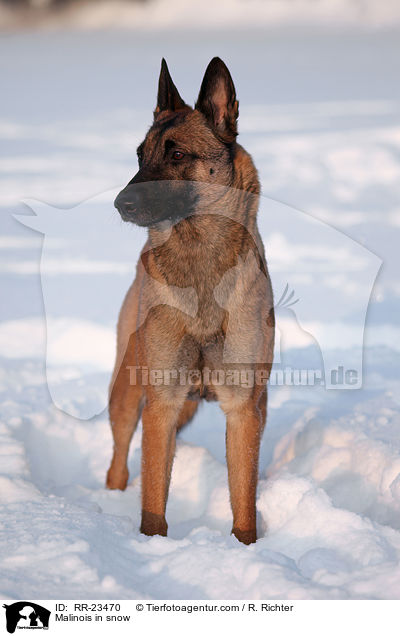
(158,448)
(245,423)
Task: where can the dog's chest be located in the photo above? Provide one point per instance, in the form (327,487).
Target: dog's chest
(187,279)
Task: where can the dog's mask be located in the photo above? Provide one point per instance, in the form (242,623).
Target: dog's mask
(183,147)
(147,203)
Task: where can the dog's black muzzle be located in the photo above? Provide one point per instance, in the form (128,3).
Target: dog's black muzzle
(126,205)
(147,203)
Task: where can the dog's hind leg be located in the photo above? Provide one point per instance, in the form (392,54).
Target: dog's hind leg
(126,400)
(187,413)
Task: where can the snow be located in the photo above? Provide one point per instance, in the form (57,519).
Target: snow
(320,115)
(161,15)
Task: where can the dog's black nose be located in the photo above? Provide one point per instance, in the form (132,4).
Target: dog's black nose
(125,206)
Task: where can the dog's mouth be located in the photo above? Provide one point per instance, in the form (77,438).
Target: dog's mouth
(131,214)
(147,218)
(148,204)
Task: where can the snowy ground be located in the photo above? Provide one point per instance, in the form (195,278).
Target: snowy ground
(320,114)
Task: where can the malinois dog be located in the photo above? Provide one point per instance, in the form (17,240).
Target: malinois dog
(201,300)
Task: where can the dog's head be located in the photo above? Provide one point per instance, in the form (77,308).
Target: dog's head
(184,146)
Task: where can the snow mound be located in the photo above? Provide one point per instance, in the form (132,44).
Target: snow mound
(328,509)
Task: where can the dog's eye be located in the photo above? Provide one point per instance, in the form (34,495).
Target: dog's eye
(177,155)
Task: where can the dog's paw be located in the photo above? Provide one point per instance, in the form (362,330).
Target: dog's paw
(153,524)
(117,479)
(245,536)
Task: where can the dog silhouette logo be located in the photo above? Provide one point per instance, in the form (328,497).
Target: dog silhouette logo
(26,615)
(89,257)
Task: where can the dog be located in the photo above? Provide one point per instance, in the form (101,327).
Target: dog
(201,300)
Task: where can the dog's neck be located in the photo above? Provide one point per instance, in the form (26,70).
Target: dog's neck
(221,228)
(214,241)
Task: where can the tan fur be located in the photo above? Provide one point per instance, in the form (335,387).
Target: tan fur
(157,328)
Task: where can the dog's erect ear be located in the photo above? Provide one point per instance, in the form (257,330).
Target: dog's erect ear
(168,97)
(217,100)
